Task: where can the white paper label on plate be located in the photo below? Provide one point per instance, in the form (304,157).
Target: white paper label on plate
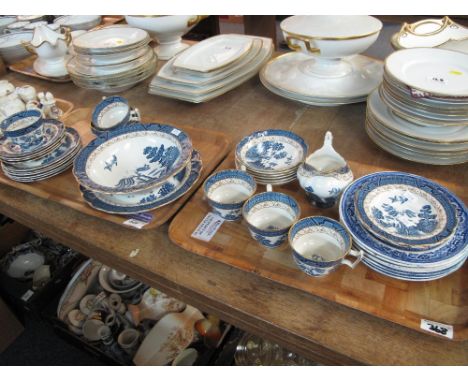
(135,223)
(175,132)
(27,295)
(437,328)
(208,227)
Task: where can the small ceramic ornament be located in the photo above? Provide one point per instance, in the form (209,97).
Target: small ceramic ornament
(154,305)
(324,175)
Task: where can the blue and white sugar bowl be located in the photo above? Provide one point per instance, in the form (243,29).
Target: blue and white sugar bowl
(324,175)
(320,245)
(24,129)
(112,113)
(226,192)
(269,216)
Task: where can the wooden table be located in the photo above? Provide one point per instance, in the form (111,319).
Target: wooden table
(321,330)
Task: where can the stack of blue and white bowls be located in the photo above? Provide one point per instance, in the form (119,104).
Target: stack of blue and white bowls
(409,227)
(33,148)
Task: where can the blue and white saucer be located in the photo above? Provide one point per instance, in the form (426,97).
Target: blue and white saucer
(152,200)
(392,260)
(405,211)
(133,158)
(53,133)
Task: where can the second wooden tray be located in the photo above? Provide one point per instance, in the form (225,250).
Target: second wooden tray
(64,188)
(406,303)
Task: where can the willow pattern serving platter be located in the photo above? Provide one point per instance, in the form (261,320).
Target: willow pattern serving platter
(448,252)
(152,201)
(271,150)
(213,53)
(403,210)
(133,158)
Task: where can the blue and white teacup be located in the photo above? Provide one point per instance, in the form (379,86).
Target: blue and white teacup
(269,216)
(320,245)
(24,129)
(112,113)
(227,191)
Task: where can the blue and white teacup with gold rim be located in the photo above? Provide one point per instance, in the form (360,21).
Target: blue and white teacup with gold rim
(269,216)
(320,245)
(24,129)
(112,113)
(227,190)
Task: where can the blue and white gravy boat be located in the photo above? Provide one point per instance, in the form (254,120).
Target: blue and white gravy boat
(227,190)
(324,175)
(269,216)
(320,245)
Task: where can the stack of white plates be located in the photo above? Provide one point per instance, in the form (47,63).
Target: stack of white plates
(271,156)
(11,49)
(53,156)
(409,227)
(212,67)
(78,22)
(420,111)
(137,168)
(111,59)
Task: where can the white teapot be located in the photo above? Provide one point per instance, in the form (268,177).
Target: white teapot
(51,48)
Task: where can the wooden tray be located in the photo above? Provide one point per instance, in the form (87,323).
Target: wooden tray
(406,303)
(25,67)
(64,189)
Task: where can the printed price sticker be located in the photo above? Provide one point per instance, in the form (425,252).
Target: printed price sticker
(135,223)
(208,227)
(29,293)
(175,132)
(437,328)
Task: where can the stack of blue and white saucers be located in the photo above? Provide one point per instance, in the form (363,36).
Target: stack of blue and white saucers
(409,227)
(34,149)
(271,156)
(137,168)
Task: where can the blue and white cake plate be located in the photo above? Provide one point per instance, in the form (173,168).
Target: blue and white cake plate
(405,211)
(146,200)
(133,158)
(400,262)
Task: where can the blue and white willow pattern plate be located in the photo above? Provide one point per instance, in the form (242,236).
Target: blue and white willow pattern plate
(271,150)
(164,198)
(448,252)
(133,158)
(403,210)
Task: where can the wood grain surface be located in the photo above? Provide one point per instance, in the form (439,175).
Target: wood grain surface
(64,188)
(361,288)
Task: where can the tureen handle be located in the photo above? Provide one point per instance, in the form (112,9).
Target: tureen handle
(195,20)
(296,47)
(28,46)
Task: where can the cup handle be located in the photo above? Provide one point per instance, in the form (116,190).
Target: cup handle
(357,254)
(269,188)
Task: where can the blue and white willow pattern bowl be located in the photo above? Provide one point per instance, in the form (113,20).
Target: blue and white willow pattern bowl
(402,210)
(133,158)
(269,216)
(124,204)
(226,192)
(24,129)
(271,151)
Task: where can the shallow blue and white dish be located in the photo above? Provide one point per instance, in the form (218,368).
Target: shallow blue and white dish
(24,129)
(271,151)
(133,158)
(53,132)
(448,252)
(112,113)
(269,216)
(150,200)
(226,192)
(404,210)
